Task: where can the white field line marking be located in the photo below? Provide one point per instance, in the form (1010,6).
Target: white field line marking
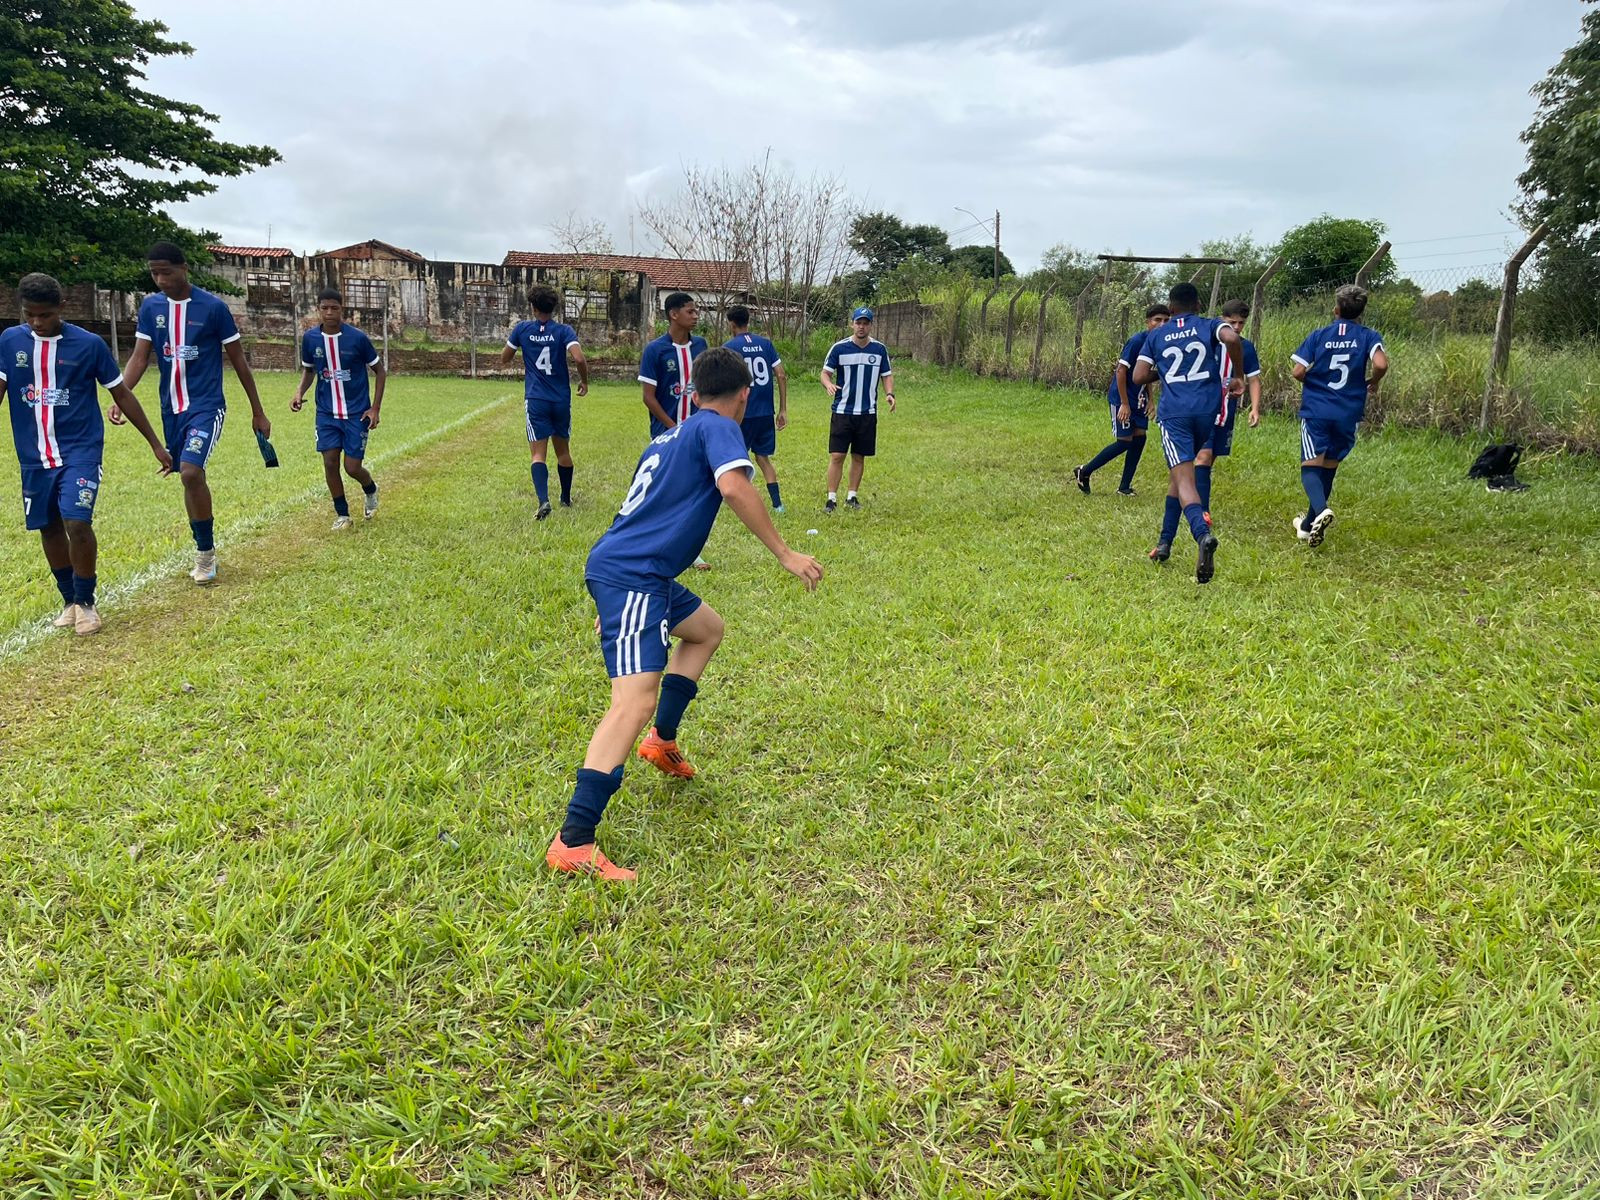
(30,633)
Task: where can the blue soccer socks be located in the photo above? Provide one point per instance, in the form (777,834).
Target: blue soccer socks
(63,583)
(1327,484)
(1169,519)
(772,491)
(203,539)
(565,475)
(341,505)
(1202,484)
(541,487)
(1198,525)
(1131,465)
(590,796)
(1105,456)
(1311,479)
(83,589)
(676,693)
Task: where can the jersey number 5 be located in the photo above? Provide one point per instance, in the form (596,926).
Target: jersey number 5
(640,485)
(1339,363)
(1174,354)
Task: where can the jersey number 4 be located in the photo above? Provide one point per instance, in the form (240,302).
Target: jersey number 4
(543,361)
(640,485)
(1174,356)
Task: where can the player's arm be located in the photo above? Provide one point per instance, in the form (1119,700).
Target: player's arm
(131,374)
(1255,400)
(1234,345)
(575,353)
(740,495)
(1144,372)
(1303,358)
(308,375)
(241,368)
(654,406)
(1124,405)
(887,380)
(1378,369)
(133,413)
(380,377)
(783,393)
(507,353)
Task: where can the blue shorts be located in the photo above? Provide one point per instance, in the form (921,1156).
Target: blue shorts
(342,433)
(1184,434)
(546,419)
(1138,410)
(65,492)
(192,435)
(1334,439)
(634,625)
(1220,442)
(761,434)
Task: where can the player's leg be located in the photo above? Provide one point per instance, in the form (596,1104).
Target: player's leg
(770,474)
(699,631)
(539,448)
(42,514)
(835,473)
(839,436)
(1121,442)
(761,439)
(863,445)
(562,444)
(83,549)
(858,466)
(335,482)
(1130,464)
(1181,439)
(198,435)
(1203,459)
(1315,442)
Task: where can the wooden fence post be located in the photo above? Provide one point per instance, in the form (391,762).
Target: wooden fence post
(1216,289)
(983,309)
(1081,314)
(1258,297)
(1011,320)
(1038,337)
(1500,354)
(1133,286)
(1366,267)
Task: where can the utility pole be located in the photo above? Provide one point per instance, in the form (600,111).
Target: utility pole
(997,247)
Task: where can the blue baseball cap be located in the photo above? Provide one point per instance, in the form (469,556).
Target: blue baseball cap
(861,312)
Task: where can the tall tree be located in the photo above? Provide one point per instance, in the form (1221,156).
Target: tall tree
(884,241)
(1322,254)
(93,157)
(1562,182)
(978,261)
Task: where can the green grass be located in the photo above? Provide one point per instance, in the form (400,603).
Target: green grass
(1016,866)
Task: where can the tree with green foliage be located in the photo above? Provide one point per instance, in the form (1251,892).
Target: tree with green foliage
(1562,182)
(885,241)
(92,157)
(1322,254)
(978,261)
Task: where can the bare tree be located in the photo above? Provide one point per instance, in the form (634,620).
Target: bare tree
(758,228)
(579,235)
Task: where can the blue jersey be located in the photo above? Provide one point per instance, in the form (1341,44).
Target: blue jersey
(50,382)
(1184,355)
(544,359)
(1335,358)
(341,361)
(761,357)
(1252,369)
(187,337)
(858,370)
(670,507)
(1129,356)
(667,365)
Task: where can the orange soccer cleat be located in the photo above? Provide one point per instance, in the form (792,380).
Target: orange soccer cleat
(585,860)
(665,756)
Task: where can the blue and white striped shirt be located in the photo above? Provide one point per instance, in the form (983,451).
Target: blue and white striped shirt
(857,370)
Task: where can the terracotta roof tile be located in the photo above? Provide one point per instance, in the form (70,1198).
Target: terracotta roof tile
(253,251)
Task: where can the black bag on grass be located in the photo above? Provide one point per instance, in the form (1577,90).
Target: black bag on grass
(1497,467)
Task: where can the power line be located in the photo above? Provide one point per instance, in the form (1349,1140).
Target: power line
(1455,237)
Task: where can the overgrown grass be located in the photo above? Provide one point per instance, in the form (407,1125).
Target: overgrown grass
(1016,866)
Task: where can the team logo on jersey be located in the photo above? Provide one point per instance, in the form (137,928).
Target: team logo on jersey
(161,320)
(197,442)
(22,358)
(342,375)
(87,483)
(872,360)
(38,397)
(186,353)
(85,497)
(317,353)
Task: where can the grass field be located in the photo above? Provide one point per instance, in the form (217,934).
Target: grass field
(1016,866)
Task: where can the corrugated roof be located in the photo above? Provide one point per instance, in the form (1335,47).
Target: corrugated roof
(691,274)
(253,251)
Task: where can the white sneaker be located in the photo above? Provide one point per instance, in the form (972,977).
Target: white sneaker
(1299,531)
(371,505)
(205,567)
(701,564)
(1319,527)
(342,523)
(68,617)
(88,620)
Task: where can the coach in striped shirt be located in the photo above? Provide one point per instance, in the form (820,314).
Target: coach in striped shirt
(855,368)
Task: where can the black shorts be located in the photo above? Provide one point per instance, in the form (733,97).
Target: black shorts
(853,431)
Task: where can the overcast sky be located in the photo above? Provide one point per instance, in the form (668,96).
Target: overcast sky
(1144,129)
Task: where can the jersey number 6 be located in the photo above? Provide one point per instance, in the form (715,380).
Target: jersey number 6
(640,485)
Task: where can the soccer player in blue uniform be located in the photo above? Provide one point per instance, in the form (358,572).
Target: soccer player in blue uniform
(190,331)
(546,344)
(1183,355)
(336,357)
(49,370)
(761,421)
(1130,411)
(666,366)
(1337,366)
(682,479)
(1220,443)
(853,370)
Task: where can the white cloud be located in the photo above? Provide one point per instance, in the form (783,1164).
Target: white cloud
(1148,127)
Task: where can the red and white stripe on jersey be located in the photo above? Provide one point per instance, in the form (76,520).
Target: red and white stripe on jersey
(46,367)
(330,345)
(177,330)
(686,391)
(1227,374)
